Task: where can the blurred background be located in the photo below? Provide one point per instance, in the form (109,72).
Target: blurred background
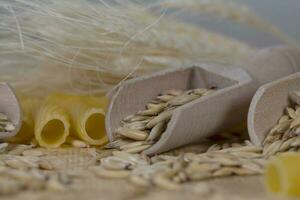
(95,44)
(284,14)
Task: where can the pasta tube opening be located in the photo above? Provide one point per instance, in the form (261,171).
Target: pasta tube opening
(95,126)
(53,131)
(92,127)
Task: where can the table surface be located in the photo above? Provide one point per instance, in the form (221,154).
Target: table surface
(88,186)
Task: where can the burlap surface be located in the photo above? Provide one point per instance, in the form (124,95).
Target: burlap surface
(86,185)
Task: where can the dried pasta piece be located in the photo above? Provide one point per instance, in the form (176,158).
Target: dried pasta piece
(52,125)
(87,116)
(282,175)
(29,107)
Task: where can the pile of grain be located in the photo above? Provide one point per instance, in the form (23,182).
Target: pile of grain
(140,130)
(238,158)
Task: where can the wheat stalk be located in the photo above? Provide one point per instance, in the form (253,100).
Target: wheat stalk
(88,47)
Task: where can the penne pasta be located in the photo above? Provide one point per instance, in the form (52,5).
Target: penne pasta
(50,122)
(87,116)
(52,125)
(282,174)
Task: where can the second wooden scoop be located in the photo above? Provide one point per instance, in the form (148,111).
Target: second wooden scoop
(268,105)
(208,115)
(9,105)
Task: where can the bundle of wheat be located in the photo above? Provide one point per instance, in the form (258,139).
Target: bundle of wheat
(89,46)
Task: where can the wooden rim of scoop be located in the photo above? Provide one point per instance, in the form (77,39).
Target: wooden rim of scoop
(268,105)
(10,106)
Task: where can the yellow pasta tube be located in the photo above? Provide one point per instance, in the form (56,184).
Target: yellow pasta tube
(282,174)
(89,123)
(52,125)
(29,107)
(87,116)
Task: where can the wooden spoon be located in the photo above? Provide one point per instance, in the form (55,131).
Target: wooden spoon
(268,105)
(9,105)
(208,115)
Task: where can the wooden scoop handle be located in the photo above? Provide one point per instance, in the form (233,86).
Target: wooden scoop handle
(272,63)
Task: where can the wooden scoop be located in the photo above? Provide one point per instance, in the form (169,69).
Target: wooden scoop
(268,105)
(208,115)
(9,105)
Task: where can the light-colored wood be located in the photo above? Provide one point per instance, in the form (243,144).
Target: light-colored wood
(272,63)
(270,99)
(208,115)
(195,120)
(10,106)
(268,105)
